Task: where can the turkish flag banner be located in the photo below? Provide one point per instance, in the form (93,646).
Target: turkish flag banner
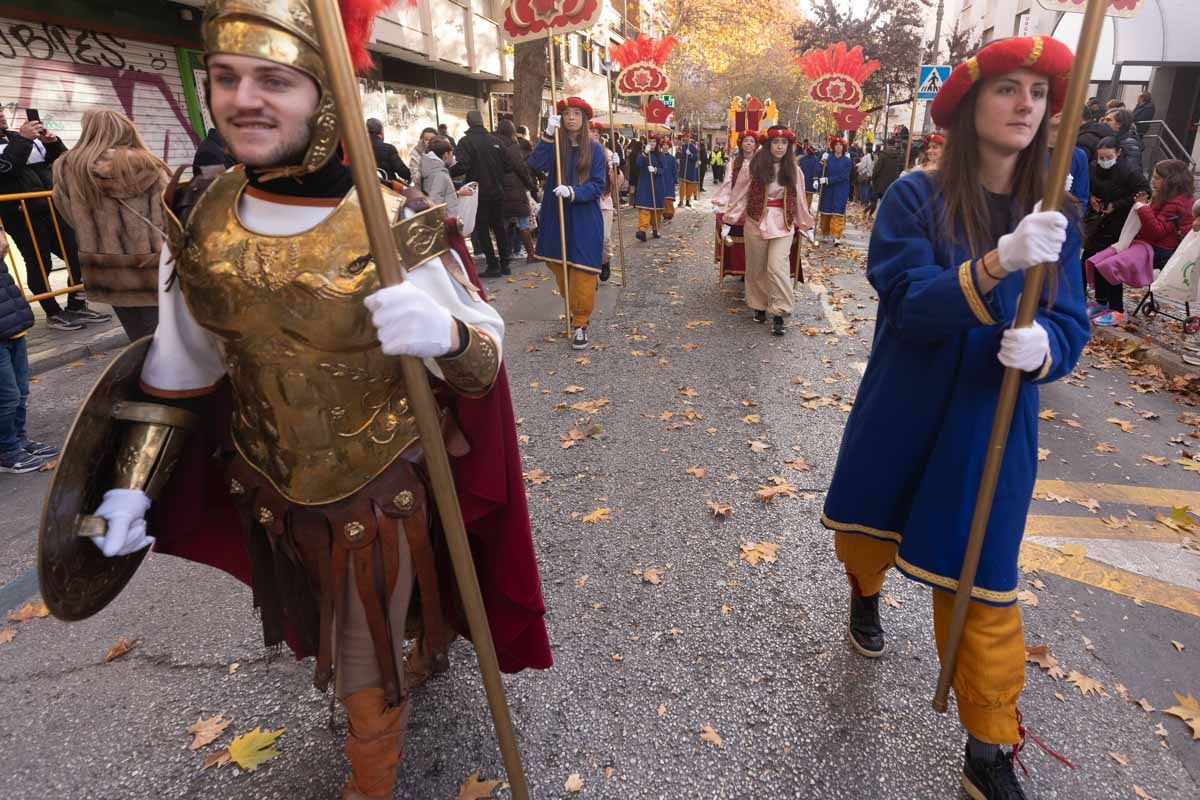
(656,111)
(848,119)
(1116,8)
(537,19)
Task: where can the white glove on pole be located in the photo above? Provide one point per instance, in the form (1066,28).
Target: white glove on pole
(1024,348)
(563,191)
(552,123)
(409,322)
(824,157)
(1037,240)
(1070,183)
(614,159)
(725,229)
(125,512)
(816,184)
(652,170)
(824,181)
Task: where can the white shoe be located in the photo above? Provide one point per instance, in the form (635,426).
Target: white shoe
(579,341)
(808,234)
(836,242)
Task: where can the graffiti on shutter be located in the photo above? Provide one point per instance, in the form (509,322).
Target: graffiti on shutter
(64,71)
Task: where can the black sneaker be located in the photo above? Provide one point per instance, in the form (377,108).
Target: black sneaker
(40,449)
(62,322)
(490,272)
(656,236)
(777,326)
(760,316)
(87,316)
(991,780)
(641,236)
(20,463)
(579,341)
(605,272)
(505,269)
(866,633)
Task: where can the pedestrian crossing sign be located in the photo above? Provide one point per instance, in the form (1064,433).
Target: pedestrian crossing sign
(931,78)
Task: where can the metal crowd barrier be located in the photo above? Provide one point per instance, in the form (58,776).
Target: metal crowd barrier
(43,259)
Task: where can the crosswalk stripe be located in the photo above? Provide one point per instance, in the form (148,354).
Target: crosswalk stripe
(1120,493)
(1093,528)
(1109,578)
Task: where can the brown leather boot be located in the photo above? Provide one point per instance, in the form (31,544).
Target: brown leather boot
(374,744)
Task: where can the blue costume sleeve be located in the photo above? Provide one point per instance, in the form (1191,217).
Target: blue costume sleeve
(1066,321)
(590,192)
(542,158)
(922,299)
(1081,186)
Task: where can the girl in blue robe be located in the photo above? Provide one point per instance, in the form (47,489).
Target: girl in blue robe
(650,196)
(834,183)
(689,176)
(671,181)
(947,257)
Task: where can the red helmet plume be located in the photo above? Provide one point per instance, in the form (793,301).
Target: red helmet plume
(358,17)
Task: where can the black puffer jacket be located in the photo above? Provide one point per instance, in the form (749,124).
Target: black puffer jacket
(15,314)
(1090,134)
(481,160)
(1115,186)
(517,180)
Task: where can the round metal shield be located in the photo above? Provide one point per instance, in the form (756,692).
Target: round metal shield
(76,579)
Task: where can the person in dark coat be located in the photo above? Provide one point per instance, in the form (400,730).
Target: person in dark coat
(1112,186)
(517,181)
(387,158)
(1120,122)
(1144,110)
(1091,133)
(481,160)
(704,156)
(211,153)
(632,168)
(884,174)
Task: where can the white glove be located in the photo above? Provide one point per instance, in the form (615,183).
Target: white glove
(1037,240)
(652,170)
(614,160)
(816,184)
(824,181)
(552,123)
(409,322)
(563,191)
(1070,183)
(1024,348)
(824,157)
(725,229)
(125,512)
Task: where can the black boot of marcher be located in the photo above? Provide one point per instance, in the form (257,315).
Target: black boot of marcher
(605,272)
(993,779)
(760,316)
(866,631)
(777,326)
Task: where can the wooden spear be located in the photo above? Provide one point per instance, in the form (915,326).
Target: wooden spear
(344,86)
(1060,165)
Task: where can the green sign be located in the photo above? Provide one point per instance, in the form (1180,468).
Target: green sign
(668,100)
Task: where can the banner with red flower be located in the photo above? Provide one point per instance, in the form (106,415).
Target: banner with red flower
(641,62)
(837,74)
(656,112)
(1116,8)
(537,19)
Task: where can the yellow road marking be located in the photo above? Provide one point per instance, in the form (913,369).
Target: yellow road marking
(1093,528)
(1119,493)
(1110,578)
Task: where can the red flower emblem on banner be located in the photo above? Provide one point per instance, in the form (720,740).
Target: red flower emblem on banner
(848,119)
(1116,8)
(656,111)
(837,90)
(642,78)
(536,19)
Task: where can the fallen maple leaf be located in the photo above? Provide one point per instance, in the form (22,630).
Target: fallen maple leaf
(537,476)
(119,648)
(1114,523)
(653,575)
(780,487)
(574,783)
(1187,710)
(599,515)
(475,788)
(798,464)
(251,750)
(1188,464)
(31,610)
(1159,460)
(1086,685)
(581,581)
(1105,447)
(590,405)
(1140,793)
(719,510)
(759,446)
(662,709)
(709,734)
(206,731)
(687,391)
(688,346)
(892,601)
(752,419)
(753,552)
(1177,645)
(1122,424)
(698,472)
(1043,453)
(1048,413)
(7,634)
(699,323)
(1144,704)
(1027,597)
(573,389)
(217,759)
(1120,758)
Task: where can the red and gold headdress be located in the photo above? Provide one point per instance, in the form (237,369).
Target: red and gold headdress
(780,132)
(576,102)
(837,74)
(1041,54)
(641,61)
(934,138)
(837,140)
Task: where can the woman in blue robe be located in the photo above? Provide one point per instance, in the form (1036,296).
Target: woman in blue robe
(834,185)
(650,196)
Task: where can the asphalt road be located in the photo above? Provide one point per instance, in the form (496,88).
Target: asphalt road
(756,652)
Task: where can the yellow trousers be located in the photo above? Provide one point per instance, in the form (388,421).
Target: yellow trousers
(991,657)
(582,293)
(648,219)
(833,225)
(668,207)
(688,191)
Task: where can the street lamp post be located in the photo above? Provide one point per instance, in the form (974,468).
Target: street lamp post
(937,47)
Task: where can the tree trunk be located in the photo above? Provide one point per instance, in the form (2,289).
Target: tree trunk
(530,70)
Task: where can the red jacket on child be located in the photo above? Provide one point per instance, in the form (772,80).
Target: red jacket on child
(1166,225)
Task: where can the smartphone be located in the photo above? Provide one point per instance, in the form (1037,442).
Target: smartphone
(32,115)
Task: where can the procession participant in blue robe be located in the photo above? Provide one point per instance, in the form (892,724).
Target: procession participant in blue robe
(688,156)
(584,169)
(834,185)
(810,167)
(670,178)
(650,197)
(947,257)
(1081,179)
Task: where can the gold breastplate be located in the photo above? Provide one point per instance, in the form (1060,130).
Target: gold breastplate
(319,410)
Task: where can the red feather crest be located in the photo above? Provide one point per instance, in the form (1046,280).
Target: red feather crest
(837,74)
(358,17)
(642,49)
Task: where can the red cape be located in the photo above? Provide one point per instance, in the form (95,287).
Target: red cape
(195,517)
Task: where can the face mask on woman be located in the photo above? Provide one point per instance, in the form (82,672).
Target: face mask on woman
(1107,163)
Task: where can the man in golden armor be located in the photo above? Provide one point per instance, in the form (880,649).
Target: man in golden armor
(304,475)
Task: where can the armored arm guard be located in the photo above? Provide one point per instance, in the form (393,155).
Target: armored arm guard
(474,369)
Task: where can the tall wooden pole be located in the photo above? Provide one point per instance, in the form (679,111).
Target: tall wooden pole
(912,119)
(558,171)
(1031,293)
(612,137)
(344,86)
